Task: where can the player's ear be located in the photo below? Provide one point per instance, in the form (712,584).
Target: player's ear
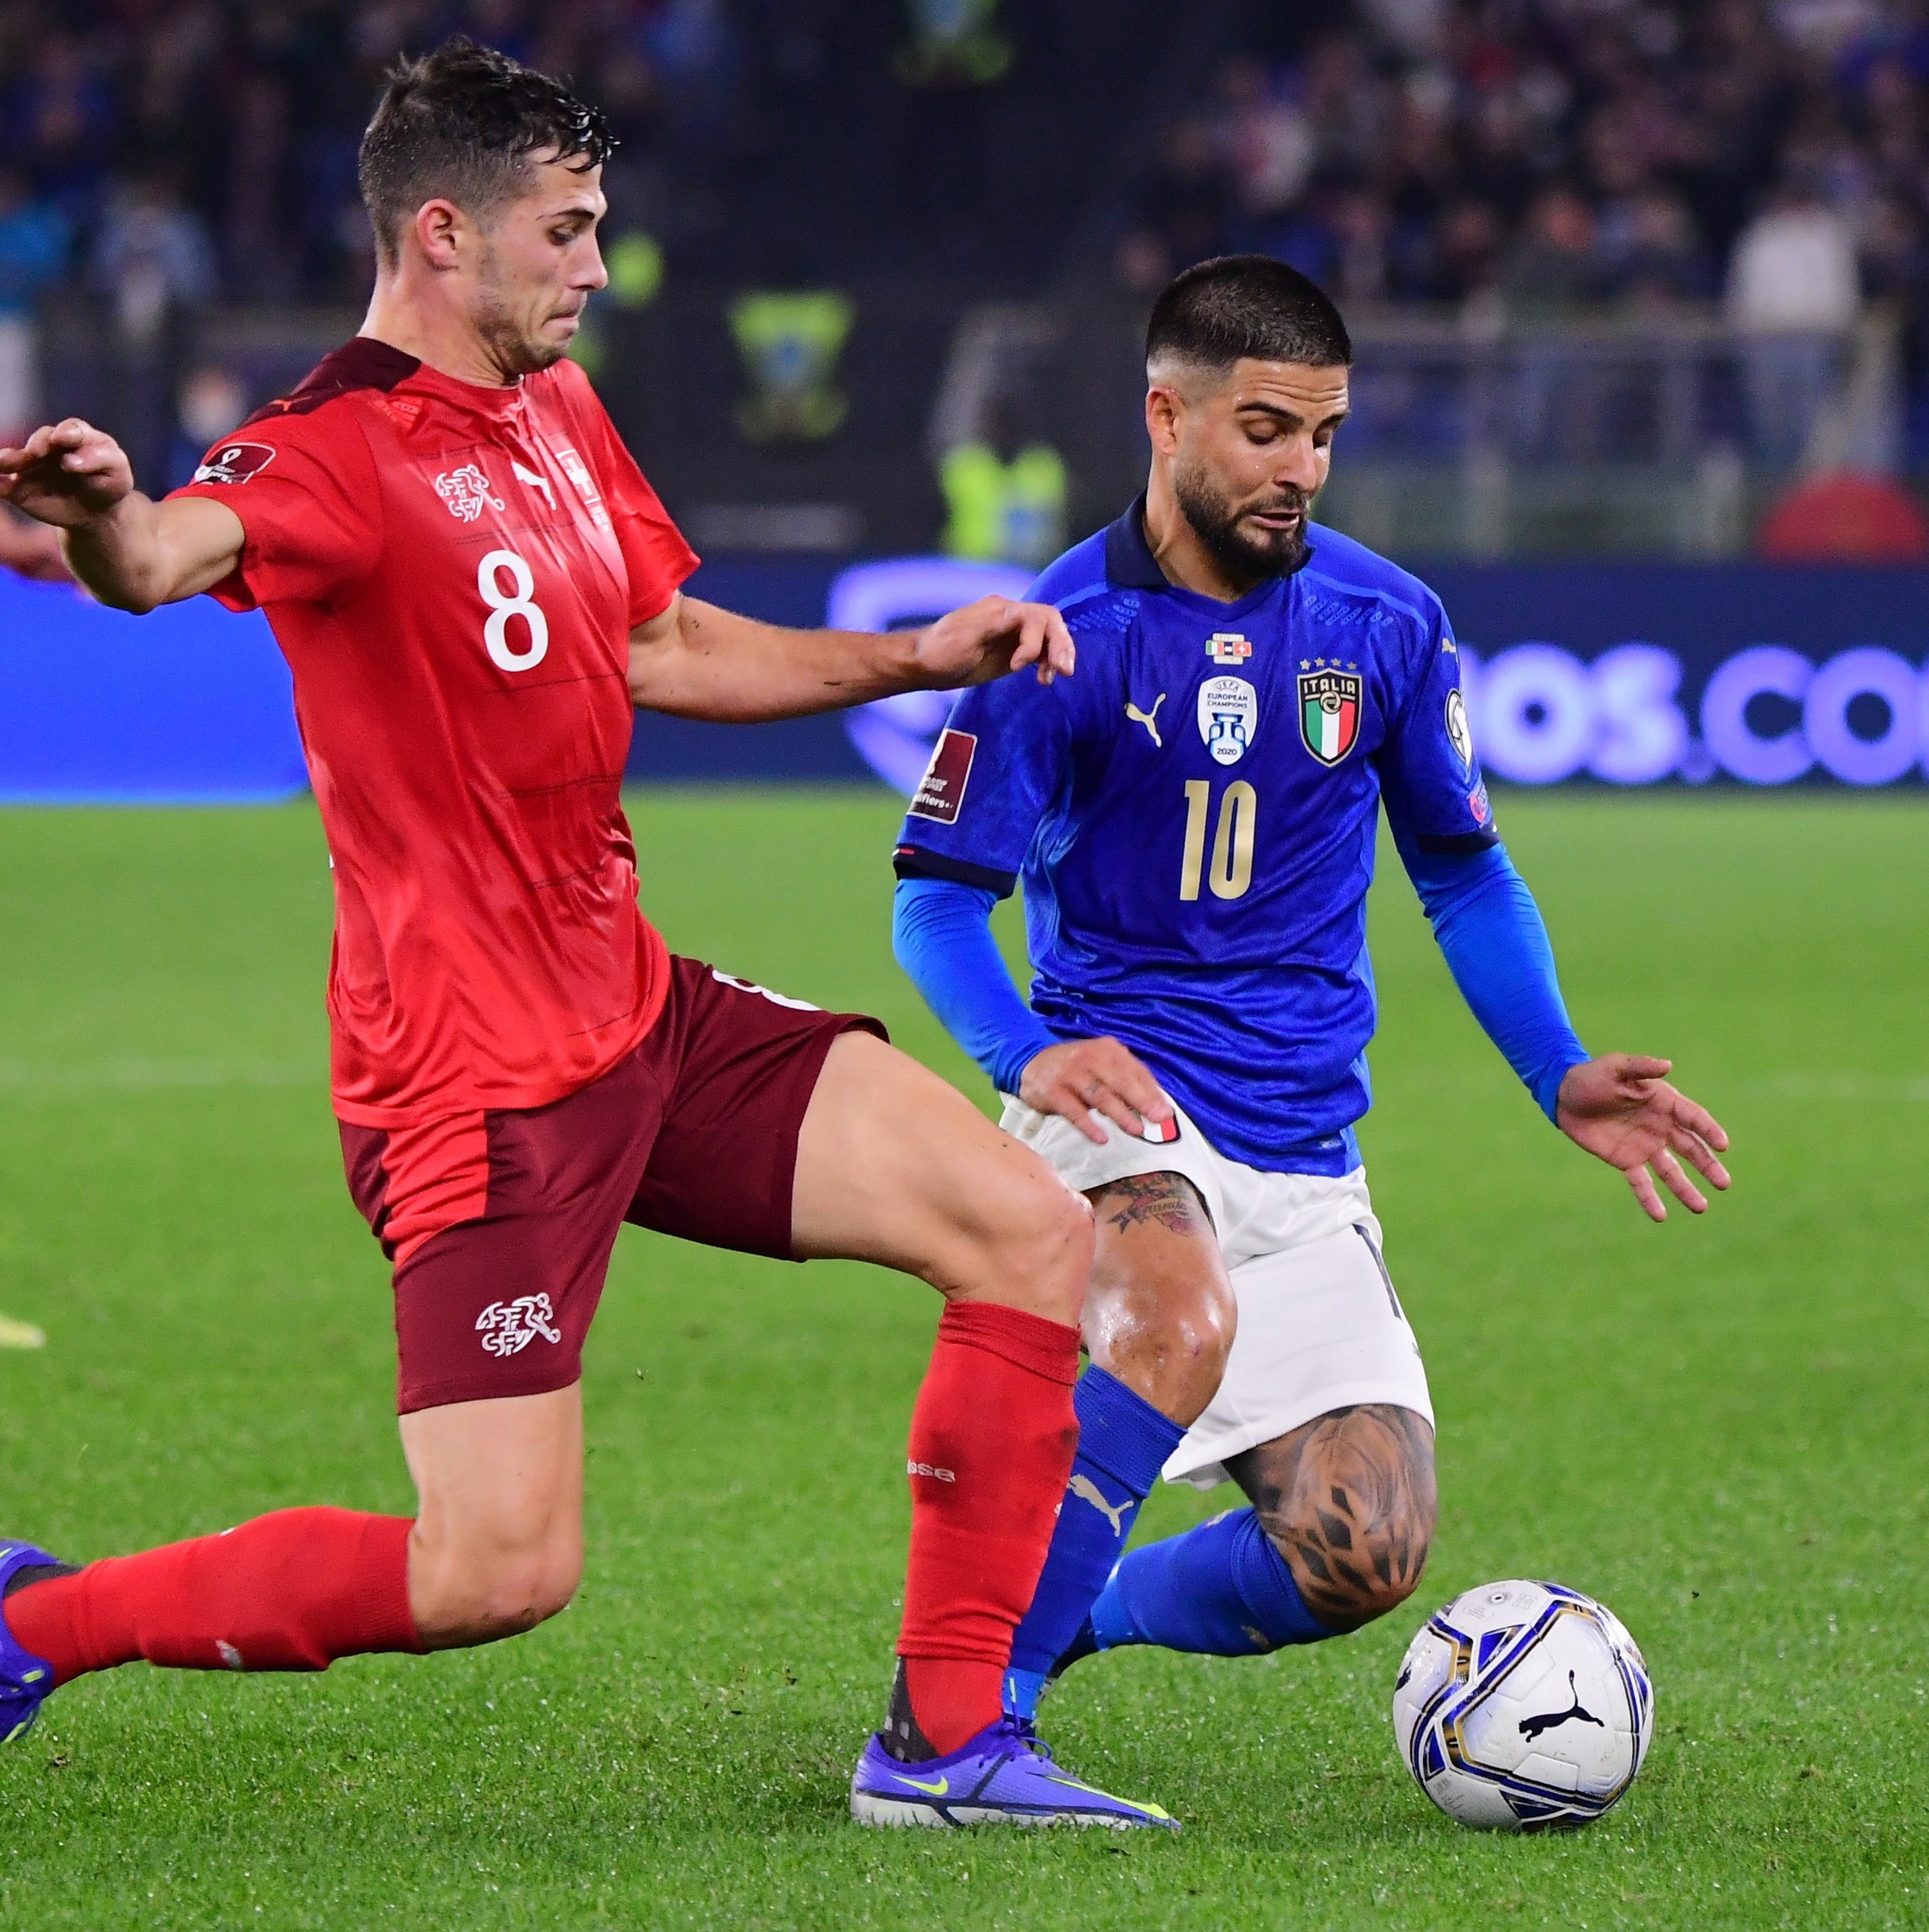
(438,227)
(1164,406)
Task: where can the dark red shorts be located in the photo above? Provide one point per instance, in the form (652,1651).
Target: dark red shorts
(500,1226)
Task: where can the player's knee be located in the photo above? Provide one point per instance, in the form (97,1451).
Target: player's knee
(1039,1235)
(480,1593)
(515,1593)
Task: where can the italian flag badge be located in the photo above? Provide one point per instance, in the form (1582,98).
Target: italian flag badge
(1160,1133)
(1329,713)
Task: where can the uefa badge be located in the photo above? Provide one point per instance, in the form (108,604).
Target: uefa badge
(1228,714)
(1228,647)
(1329,713)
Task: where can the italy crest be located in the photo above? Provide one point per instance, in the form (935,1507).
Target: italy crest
(1329,713)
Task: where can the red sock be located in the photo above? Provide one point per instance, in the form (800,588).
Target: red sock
(293,1591)
(992,1439)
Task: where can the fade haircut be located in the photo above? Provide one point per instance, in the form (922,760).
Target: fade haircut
(462,125)
(1235,306)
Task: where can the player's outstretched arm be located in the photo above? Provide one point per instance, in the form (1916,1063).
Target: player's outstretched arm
(696,661)
(1622,1110)
(131,552)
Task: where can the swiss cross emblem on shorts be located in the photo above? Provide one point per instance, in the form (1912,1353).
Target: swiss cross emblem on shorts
(466,492)
(1329,713)
(508,1327)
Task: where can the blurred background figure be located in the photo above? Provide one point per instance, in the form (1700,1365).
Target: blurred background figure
(1598,255)
(1794,292)
(212,404)
(34,239)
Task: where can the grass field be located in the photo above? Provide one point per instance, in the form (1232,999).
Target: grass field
(1720,1427)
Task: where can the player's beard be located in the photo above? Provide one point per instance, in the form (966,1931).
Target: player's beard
(1241,552)
(512,347)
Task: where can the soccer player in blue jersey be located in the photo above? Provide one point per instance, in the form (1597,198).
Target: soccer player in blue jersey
(1194,816)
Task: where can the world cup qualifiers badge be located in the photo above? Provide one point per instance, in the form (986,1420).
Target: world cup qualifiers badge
(1228,647)
(1329,713)
(1228,714)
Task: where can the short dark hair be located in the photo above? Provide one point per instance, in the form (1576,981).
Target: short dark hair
(1215,312)
(462,123)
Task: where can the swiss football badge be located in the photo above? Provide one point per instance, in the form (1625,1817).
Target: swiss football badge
(1329,713)
(467,494)
(235,462)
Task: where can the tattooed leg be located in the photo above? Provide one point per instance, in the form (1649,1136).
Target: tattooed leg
(1349,1501)
(1159,1314)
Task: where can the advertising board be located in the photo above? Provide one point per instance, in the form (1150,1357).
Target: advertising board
(1623,675)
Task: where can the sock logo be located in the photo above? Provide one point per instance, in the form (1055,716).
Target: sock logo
(931,1469)
(231,1658)
(1083,1486)
(508,1327)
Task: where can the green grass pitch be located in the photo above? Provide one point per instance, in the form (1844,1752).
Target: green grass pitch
(1717,1426)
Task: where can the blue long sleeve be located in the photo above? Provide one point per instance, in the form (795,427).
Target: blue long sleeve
(1497,948)
(941,933)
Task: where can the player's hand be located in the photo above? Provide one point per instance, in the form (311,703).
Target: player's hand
(995,635)
(1621,1109)
(67,474)
(1082,1075)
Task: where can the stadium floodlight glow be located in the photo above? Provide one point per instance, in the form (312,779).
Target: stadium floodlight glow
(1866,672)
(894,736)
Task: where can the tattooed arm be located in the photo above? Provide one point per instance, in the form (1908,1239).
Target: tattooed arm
(1349,1500)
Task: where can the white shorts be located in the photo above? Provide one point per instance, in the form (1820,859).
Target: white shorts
(1320,1327)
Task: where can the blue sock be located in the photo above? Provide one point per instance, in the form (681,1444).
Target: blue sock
(1221,1590)
(1123,1442)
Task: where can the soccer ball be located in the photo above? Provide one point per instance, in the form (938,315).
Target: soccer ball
(1523,1705)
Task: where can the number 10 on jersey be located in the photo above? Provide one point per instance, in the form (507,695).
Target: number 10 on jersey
(1231,870)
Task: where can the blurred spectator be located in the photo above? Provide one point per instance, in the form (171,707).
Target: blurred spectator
(1466,254)
(1555,269)
(1793,291)
(1657,263)
(34,237)
(212,404)
(152,257)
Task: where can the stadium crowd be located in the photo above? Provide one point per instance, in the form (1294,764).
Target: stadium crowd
(1561,155)
(1520,161)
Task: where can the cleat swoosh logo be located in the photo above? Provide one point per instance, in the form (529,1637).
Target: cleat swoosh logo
(1131,1804)
(937,1787)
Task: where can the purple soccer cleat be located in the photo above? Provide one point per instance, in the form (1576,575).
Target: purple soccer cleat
(25,1680)
(1003,1776)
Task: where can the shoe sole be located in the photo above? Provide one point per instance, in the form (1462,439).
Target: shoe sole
(870,1808)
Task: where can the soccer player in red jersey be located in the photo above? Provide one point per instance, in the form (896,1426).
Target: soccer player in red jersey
(473,584)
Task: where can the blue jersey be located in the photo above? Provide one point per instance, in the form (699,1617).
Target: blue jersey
(1195,814)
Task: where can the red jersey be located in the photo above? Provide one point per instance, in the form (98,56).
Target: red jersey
(453,573)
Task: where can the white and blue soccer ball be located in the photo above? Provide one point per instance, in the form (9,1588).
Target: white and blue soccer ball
(1521,1706)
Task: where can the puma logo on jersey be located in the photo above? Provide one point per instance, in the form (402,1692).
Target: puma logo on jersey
(1114,1513)
(467,494)
(1136,716)
(535,482)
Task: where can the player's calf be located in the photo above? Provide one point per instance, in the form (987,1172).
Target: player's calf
(1349,1501)
(1336,1534)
